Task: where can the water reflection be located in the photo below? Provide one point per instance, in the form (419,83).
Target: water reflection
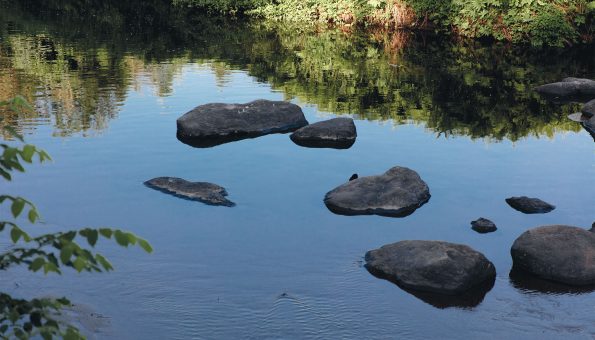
(80,64)
(531,284)
(467,300)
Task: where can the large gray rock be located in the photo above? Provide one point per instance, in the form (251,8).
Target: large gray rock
(529,205)
(569,88)
(397,193)
(208,193)
(213,124)
(560,253)
(338,133)
(432,266)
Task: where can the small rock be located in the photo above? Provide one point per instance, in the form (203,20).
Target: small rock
(213,124)
(483,225)
(432,266)
(354,176)
(568,88)
(528,205)
(207,193)
(559,253)
(396,193)
(337,133)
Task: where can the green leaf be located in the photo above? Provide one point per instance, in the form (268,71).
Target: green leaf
(66,253)
(33,215)
(50,267)
(145,245)
(104,262)
(36,264)
(92,237)
(105,232)
(79,264)
(15,234)
(121,238)
(28,152)
(17,207)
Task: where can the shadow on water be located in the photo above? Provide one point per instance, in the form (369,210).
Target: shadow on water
(532,284)
(467,300)
(91,55)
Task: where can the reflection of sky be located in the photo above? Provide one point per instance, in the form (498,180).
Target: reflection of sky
(220,272)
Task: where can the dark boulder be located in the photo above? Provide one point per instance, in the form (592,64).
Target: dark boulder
(337,133)
(559,253)
(569,88)
(431,266)
(213,124)
(207,193)
(483,225)
(396,193)
(529,205)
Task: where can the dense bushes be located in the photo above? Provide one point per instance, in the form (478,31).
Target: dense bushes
(539,22)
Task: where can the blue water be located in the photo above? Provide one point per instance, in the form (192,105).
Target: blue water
(279,265)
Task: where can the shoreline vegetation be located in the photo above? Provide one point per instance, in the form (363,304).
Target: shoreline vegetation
(549,23)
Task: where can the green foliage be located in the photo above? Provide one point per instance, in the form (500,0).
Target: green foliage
(21,318)
(539,22)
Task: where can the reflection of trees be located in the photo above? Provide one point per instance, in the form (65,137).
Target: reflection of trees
(90,55)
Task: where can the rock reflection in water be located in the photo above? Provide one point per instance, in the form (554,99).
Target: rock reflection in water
(467,300)
(529,283)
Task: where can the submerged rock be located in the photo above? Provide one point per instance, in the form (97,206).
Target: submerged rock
(529,205)
(396,193)
(431,266)
(559,253)
(483,225)
(213,124)
(337,133)
(208,193)
(569,88)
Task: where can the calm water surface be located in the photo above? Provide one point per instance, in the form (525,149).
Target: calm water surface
(279,265)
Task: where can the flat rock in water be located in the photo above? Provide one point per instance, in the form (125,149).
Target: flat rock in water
(483,225)
(213,124)
(529,205)
(396,193)
(432,266)
(569,88)
(205,192)
(337,133)
(559,253)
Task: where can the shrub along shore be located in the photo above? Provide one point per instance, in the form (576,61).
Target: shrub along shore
(556,23)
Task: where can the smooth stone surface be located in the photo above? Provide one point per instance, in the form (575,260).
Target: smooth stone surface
(588,109)
(569,87)
(529,205)
(205,192)
(337,133)
(483,225)
(432,266)
(213,124)
(396,193)
(559,253)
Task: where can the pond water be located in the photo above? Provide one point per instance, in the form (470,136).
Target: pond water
(109,84)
